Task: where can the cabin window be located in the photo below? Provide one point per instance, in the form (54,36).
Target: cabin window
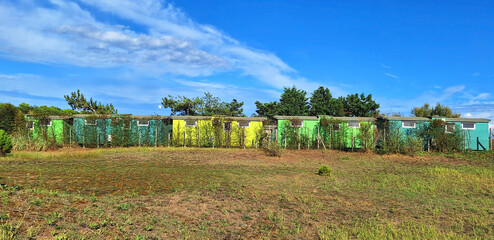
(90,122)
(468,126)
(45,122)
(227,126)
(30,125)
(409,124)
(143,122)
(297,123)
(353,124)
(450,128)
(190,123)
(244,124)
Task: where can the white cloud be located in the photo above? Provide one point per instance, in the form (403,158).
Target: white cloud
(481,96)
(476,74)
(452,90)
(203,85)
(166,41)
(384,66)
(391,75)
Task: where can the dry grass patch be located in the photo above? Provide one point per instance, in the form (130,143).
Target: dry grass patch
(163,193)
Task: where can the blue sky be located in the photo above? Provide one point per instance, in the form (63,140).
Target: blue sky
(133,53)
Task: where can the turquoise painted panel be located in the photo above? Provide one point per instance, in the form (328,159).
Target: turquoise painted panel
(471,136)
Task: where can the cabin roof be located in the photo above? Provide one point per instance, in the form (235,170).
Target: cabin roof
(479,120)
(313,118)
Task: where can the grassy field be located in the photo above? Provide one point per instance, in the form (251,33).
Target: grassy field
(148,193)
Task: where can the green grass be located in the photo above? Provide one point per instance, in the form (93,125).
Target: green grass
(148,193)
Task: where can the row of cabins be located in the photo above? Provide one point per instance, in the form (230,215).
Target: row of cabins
(244,132)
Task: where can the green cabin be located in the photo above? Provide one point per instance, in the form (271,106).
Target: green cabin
(347,132)
(297,132)
(56,129)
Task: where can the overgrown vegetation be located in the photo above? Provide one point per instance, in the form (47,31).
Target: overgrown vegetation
(5,143)
(272,149)
(427,136)
(170,193)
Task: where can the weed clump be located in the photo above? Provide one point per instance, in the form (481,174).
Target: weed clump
(272,149)
(324,170)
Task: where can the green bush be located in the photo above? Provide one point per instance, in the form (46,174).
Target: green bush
(272,149)
(5,143)
(412,145)
(324,170)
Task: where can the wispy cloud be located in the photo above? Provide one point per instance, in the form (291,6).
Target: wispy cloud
(391,75)
(476,74)
(166,41)
(384,66)
(204,84)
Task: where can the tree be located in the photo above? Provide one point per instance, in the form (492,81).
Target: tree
(269,109)
(235,108)
(438,110)
(181,105)
(25,108)
(8,114)
(337,107)
(320,102)
(323,103)
(76,100)
(360,106)
(293,102)
(208,105)
(45,110)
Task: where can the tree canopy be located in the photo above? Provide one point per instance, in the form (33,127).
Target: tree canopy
(439,110)
(8,113)
(76,100)
(323,103)
(208,105)
(359,106)
(293,102)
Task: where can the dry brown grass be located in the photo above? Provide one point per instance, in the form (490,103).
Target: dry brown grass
(147,193)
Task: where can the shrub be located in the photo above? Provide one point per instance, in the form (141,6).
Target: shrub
(324,170)
(272,149)
(5,143)
(412,145)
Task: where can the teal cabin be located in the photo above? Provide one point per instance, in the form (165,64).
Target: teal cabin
(475,131)
(150,130)
(92,130)
(407,126)
(122,130)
